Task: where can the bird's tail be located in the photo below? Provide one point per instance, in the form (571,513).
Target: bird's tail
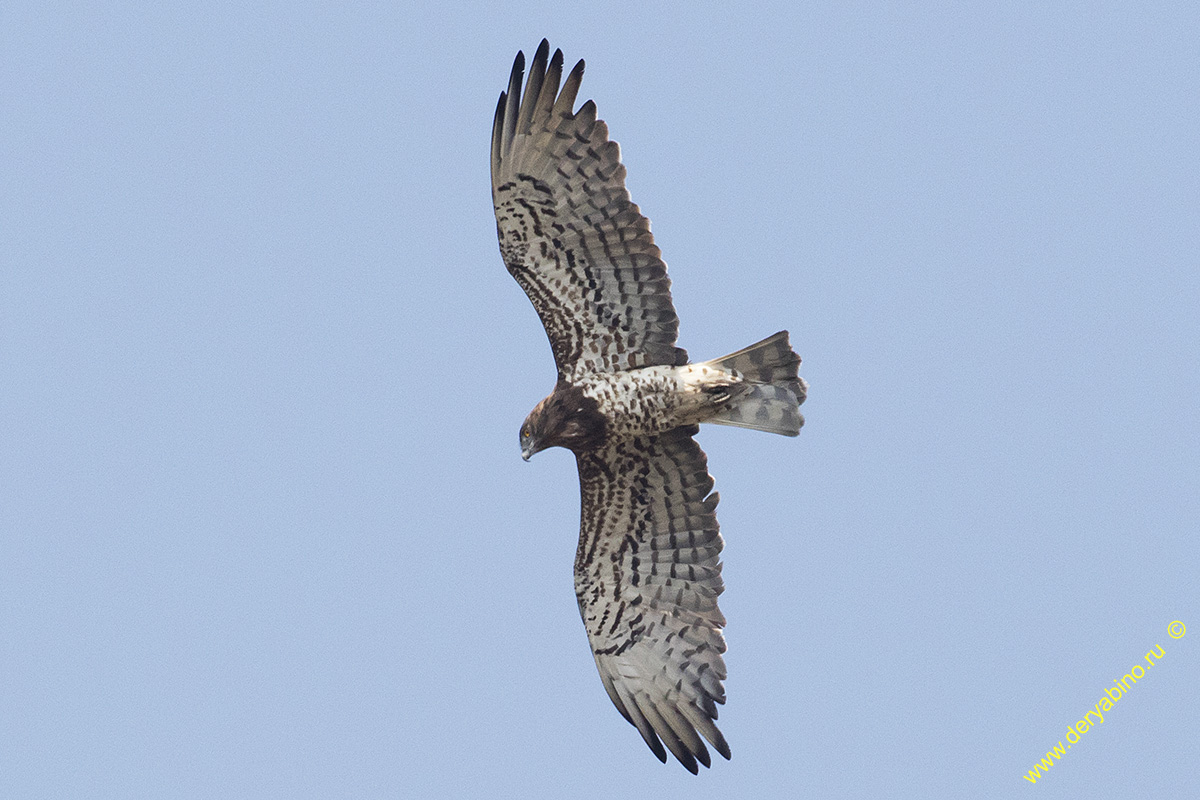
(773,400)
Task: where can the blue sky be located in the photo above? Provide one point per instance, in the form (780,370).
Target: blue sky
(264,526)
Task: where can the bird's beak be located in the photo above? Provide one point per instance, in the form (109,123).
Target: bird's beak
(525,453)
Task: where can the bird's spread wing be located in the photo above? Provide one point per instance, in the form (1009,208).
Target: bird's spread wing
(569,233)
(647,577)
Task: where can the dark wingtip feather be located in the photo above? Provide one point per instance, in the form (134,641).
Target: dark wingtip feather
(512,104)
(497,124)
(721,746)
(498,120)
(518,69)
(658,749)
(566,99)
(533,86)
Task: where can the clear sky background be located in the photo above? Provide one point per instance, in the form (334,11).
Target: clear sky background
(264,526)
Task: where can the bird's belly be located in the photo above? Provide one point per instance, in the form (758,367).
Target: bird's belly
(653,400)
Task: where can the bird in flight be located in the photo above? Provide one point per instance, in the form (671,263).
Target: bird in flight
(627,403)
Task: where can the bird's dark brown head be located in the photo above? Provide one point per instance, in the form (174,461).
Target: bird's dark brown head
(564,419)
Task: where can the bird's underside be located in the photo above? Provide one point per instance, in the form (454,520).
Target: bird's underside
(628,404)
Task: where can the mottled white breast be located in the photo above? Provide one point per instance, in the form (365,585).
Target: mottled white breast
(652,400)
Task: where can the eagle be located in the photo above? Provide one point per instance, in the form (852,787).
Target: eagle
(628,404)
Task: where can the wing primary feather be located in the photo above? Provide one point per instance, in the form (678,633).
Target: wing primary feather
(545,102)
(513,106)
(706,727)
(686,733)
(613,695)
(586,115)
(497,123)
(565,105)
(643,726)
(533,86)
(667,734)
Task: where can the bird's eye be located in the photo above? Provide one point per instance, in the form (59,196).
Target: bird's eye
(525,432)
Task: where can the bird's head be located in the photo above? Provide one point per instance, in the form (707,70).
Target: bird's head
(564,419)
(533,431)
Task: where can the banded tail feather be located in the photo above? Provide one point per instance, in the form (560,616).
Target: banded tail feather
(772,403)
